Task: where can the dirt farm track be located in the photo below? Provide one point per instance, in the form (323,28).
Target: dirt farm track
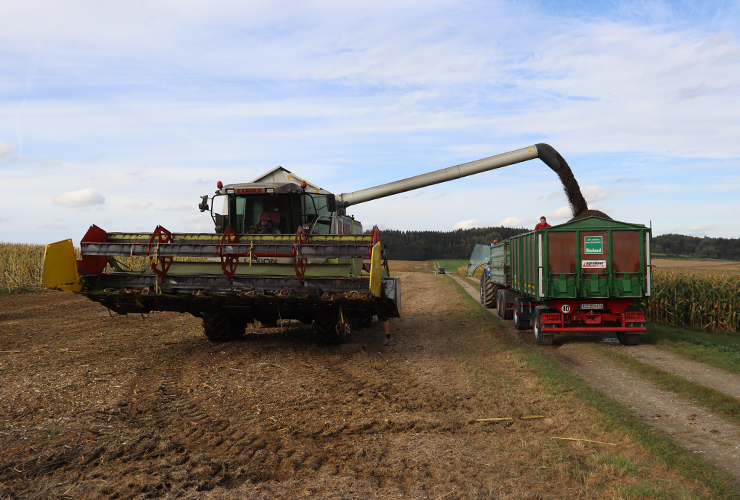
(94,405)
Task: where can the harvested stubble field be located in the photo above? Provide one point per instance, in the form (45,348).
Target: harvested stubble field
(100,406)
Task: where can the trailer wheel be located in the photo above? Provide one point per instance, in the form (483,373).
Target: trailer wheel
(626,338)
(221,327)
(508,313)
(499,302)
(519,323)
(483,288)
(539,337)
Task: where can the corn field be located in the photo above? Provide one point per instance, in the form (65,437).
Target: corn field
(21,264)
(20,267)
(706,300)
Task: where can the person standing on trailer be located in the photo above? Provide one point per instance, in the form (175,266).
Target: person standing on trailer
(542,225)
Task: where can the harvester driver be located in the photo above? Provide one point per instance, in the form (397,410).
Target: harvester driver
(269,220)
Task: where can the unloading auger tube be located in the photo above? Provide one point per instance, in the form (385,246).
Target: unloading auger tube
(544,152)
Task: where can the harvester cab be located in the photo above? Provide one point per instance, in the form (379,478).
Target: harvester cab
(282,248)
(277,208)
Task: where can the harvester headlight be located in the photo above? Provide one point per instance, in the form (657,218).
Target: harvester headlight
(270,190)
(230,191)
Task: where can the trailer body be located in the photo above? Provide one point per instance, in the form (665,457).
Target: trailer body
(586,275)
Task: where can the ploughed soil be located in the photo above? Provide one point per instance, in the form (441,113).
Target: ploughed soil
(94,405)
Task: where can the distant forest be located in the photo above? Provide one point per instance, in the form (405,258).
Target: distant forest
(427,245)
(691,246)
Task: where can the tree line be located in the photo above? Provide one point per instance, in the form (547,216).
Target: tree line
(458,244)
(427,245)
(674,245)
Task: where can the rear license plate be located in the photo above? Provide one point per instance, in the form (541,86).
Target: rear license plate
(592,306)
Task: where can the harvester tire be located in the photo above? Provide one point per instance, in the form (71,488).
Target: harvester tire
(539,337)
(330,332)
(489,293)
(221,327)
(483,288)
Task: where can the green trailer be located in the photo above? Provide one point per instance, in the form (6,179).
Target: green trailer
(586,275)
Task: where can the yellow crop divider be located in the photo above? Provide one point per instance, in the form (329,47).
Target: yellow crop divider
(60,267)
(375,271)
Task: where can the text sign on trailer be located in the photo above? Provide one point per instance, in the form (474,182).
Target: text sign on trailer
(593,244)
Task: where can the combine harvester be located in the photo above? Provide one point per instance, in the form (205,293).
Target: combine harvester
(281,250)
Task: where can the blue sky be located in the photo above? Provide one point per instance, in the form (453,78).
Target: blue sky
(124,114)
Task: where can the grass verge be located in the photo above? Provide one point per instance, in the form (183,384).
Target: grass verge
(616,417)
(721,350)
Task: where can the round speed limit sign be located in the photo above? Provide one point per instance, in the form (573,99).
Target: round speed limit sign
(565,309)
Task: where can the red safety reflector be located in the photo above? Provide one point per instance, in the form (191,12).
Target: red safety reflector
(551,317)
(634,316)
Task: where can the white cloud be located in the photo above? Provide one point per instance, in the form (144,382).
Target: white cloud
(178,207)
(595,193)
(5,149)
(50,164)
(469,224)
(560,213)
(195,218)
(141,205)
(55,225)
(82,198)
(695,229)
(513,222)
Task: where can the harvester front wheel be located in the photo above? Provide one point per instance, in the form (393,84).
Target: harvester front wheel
(221,327)
(330,332)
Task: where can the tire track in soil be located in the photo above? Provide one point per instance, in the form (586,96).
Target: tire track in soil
(198,438)
(693,427)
